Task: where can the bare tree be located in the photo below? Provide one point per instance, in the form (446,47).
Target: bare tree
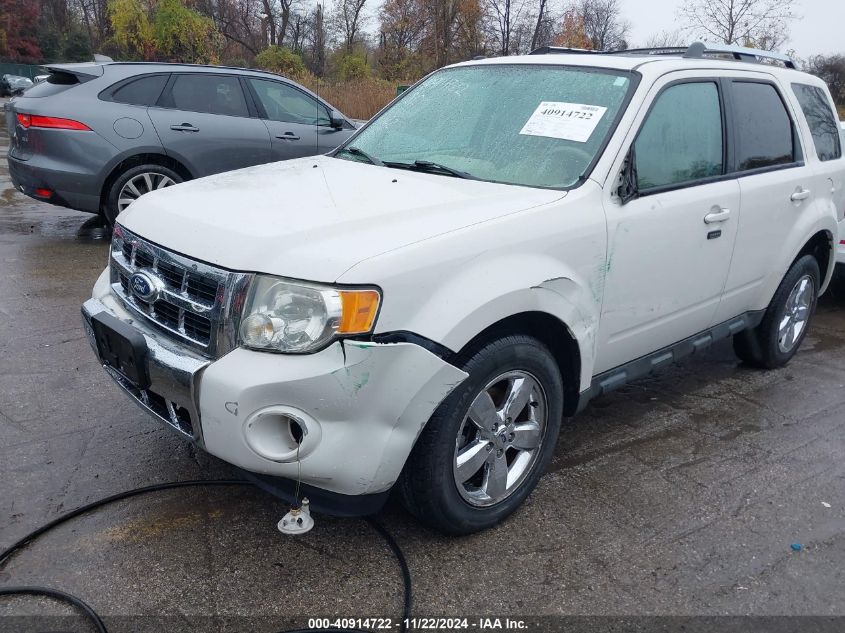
(666,39)
(605,26)
(757,23)
(348,21)
(315,39)
(541,30)
(603,23)
(832,70)
(505,17)
(441,18)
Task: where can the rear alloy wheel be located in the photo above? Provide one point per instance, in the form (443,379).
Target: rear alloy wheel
(775,341)
(487,444)
(134,183)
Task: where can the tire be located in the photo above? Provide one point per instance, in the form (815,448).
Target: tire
(143,178)
(431,485)
(775,341)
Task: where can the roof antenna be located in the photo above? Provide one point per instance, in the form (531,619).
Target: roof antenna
(102,59)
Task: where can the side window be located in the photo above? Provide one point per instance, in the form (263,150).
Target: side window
(764,136)
(681,140)
(143,91)
(212,93)
(823,125)
(285,103)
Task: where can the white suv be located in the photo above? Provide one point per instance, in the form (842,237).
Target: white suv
(507,240)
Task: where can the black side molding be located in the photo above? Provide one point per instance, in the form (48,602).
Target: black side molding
(640,368)
(403,336)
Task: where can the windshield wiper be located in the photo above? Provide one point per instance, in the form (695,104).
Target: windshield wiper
(359,152)
(428,166)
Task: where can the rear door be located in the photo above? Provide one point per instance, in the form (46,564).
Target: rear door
(205,121)
(298,123)
(776,186)
(826,160)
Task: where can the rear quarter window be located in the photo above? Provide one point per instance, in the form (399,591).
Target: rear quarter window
(823,125)
(143,91)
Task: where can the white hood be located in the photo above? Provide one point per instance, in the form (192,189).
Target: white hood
(314,218)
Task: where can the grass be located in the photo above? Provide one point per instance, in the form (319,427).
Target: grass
(358,98)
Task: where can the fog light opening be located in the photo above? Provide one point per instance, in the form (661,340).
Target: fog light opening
(296,431)
(281,433)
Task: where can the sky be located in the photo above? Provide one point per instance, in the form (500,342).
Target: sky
(821,29)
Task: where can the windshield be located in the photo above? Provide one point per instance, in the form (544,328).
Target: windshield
(531,125)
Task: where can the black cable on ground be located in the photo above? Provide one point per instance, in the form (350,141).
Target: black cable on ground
(58,595)
(92,615)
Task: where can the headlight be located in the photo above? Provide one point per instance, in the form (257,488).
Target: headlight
(287,316)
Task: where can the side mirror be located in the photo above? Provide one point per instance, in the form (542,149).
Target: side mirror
(628,187)
(335,120)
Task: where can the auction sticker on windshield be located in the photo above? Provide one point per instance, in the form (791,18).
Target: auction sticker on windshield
(568,121)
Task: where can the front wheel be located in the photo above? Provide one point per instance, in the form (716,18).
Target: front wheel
(134,183)
(776,340)
(486,446)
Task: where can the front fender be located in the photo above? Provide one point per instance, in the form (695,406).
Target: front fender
(479,293)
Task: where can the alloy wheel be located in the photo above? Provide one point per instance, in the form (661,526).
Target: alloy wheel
(500,438)
(797,314)
(139,185)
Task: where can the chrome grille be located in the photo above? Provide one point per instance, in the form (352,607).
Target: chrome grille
(197,303)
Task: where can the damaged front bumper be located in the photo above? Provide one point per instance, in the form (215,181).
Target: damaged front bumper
(343,420)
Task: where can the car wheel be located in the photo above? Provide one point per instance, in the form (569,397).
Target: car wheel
(775,341)
(134,183)
(486,446)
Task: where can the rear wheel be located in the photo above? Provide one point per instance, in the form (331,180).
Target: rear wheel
(486,446)
(134,183)
(776,340)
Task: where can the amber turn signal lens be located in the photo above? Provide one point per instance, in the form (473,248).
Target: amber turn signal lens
(359,311)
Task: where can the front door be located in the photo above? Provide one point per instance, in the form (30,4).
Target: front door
(204,122)
(299,125)
(670,245)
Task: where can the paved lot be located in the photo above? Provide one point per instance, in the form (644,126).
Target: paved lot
(679,495)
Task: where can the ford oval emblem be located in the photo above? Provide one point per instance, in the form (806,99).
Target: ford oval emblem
(145,286)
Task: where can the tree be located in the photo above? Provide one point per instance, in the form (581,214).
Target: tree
(755,23)
(20,28)
(540,35)
(831,69)
(77,47)
(666,39)
(348,20)
(182,34)
(402,28)
(132,29)
(281,60)
(573,32)
(316,36)
(603,23)
(505,16)
(352,66)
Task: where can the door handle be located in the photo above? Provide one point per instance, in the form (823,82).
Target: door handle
(718,214)
(800,194)
(184,127)
(287,136)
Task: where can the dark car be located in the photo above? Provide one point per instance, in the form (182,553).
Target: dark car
(96,136)
(11,85)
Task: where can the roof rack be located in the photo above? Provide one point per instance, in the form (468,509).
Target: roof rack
(696,50)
